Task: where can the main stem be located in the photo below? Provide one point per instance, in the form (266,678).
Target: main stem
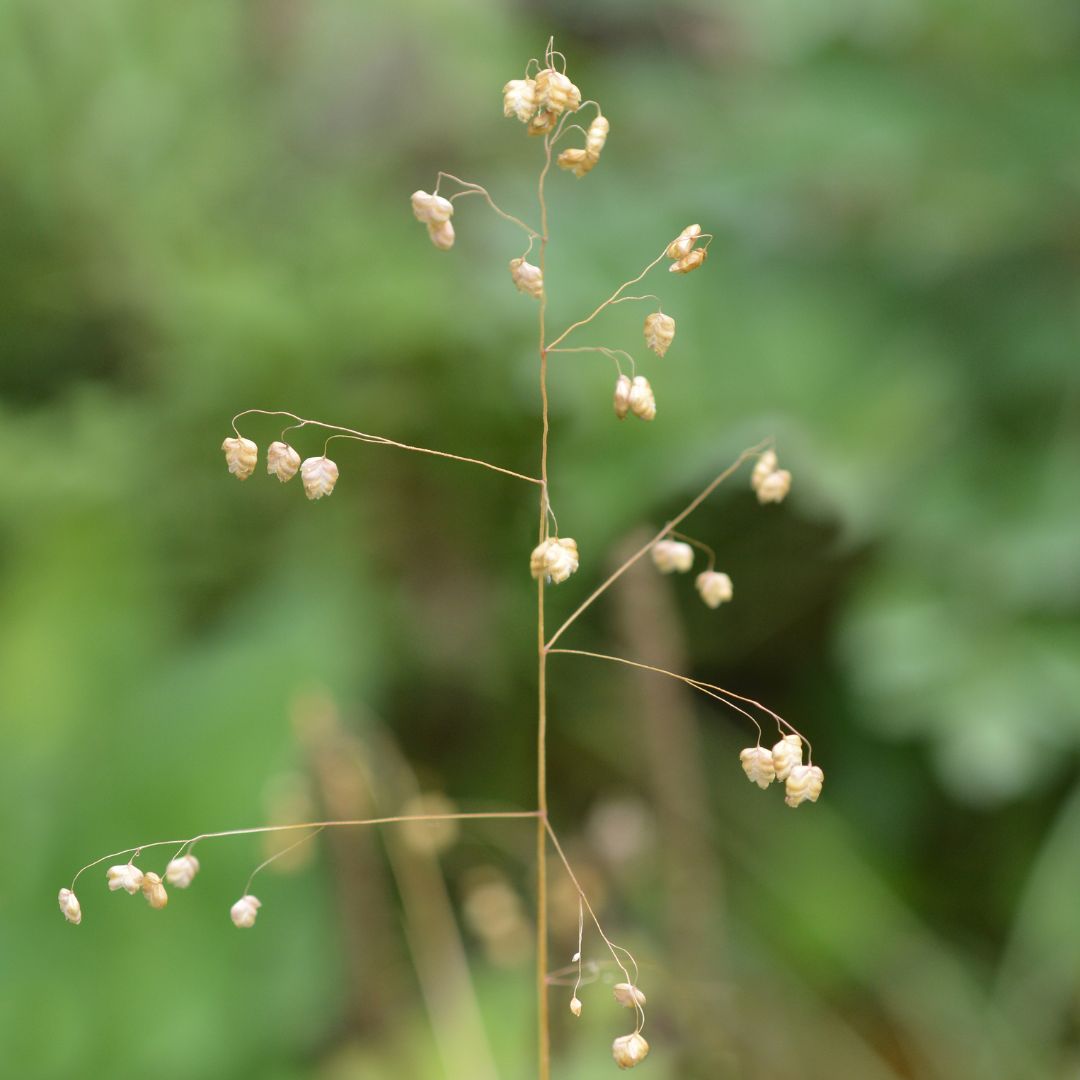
(543,1022)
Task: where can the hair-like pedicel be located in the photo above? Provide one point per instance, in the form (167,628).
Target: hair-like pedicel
(551,108)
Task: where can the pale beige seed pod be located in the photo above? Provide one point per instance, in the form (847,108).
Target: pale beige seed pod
(319,475)
(672,556)
(596,136)
(431,209)
(555,92)
(282,461)
(659,332)
(527,277)
(154,891)
(181,872)
(622,396)
(441,234)
(803,785)
(757,763)
(244,911)
(543,122)
(714,588)
(765,466)
(629,1050)
(126,877)
(682,245)
(241,455)
(69,905)
(575,1006)
(689,262)
(577,161)
(519,99)
(561,560)
(628,995)
(642,400)
(774,487)
(786,754)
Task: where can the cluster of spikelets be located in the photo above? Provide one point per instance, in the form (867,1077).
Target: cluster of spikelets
(318,474)
(770,481)
(784,762)
(684,252)
(627,1050)
(677,557)
(179,873)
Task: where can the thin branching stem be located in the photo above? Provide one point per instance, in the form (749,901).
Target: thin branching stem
(676,520)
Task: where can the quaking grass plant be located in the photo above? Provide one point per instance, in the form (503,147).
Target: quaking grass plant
(550,107)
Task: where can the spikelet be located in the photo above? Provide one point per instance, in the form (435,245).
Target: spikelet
(714,588)
(554,558)
(154,891)
(672,556)
(596,136)
(519,99)
(527,278)
(659,332)
(629,1050)
(774,487)
(622,396)
(69,905)
(282,461)
(441,234)
(757,763)
(803,785)
(786,754)
(689,262)
(241,455)
(126,877)
(681,246)
(543,122)
(431,209)
(319,475)
(627,995)
(576,161)
(555,92)
(642,400)
(181,872)
(244,911)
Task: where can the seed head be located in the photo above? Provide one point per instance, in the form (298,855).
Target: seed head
(577,161)
(714,588)
(282,461)
(154,891)
(319,475)
(765,466)
(659,332)
(69,905)
(554,558)
(519,99)
(682,245)
(786,754)
(527,277)
(803,784)
(596,136)
(757,763)
(689,262)
(555,92)
(241,455)
(629,1050)
(575,1006)
(543,122)
(628,995)
(672,556)
(642,401)
(126,877)
(431,209)
(181,872)
(622,396)
(244,911)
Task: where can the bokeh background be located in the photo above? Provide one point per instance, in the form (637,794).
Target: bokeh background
(204,208)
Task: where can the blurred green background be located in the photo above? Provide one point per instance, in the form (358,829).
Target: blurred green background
(204,208)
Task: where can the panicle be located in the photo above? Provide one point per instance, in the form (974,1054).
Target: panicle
(659,332)
(714,587)
(757,763)
(642,400)
(671,556)
(241,455)
(125,876)
(181,872)
(319,475)
(282,461)
(527,277)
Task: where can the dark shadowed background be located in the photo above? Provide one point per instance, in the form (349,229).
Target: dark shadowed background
(204,208)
